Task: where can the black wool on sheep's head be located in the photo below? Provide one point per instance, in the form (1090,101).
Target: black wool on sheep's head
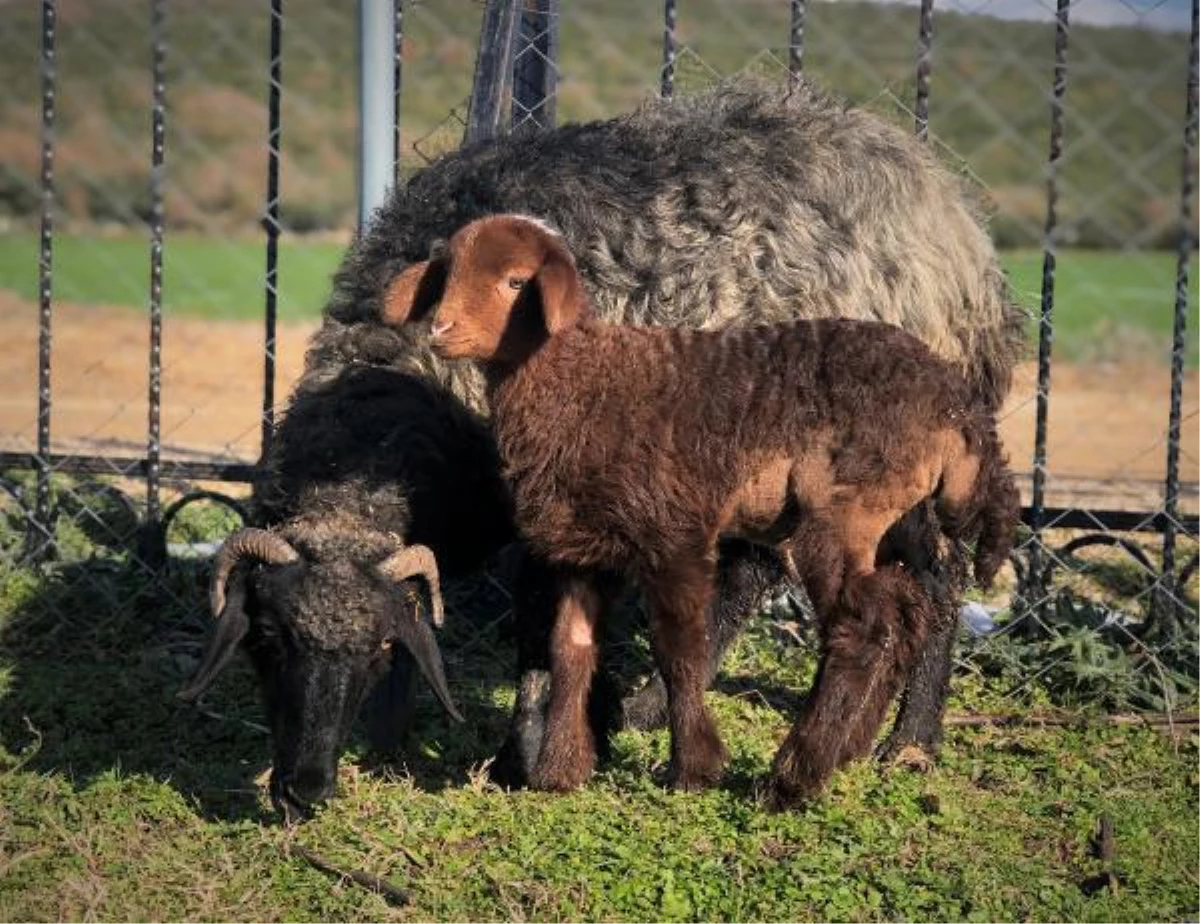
(316,662)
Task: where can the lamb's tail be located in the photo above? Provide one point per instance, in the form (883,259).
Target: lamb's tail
(988,508)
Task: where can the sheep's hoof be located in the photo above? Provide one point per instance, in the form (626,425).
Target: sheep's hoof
(900,748)
(910,757)
(646,709)
(518,755)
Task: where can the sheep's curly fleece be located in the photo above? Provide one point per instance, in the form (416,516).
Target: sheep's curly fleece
(747,203)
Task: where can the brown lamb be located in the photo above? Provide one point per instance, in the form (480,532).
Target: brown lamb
(631,451)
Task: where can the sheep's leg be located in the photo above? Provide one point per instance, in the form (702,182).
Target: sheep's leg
(568,753)
(941,569)
(679,601)
(535,596)
(869,638)
(745,574)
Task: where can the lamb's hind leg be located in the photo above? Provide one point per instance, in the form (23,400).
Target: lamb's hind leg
(568,753)
(679,600)
(941,569)
(869,638)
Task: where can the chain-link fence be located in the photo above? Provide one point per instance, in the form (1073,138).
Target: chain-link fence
(173,174)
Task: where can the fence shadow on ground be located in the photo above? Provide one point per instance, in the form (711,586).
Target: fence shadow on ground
(97,649)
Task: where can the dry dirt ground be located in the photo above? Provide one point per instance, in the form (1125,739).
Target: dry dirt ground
(1107,423)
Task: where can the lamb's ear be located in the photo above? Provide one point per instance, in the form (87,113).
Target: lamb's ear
(411,295)
(559,288)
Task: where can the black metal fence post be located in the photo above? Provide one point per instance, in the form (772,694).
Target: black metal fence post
(271,222)
(397,68)
(924,68)
(535,67)
(1036,589)
(151,541)
(493,65)
(39,536)
(667,89)
(796,43)
(1165,605)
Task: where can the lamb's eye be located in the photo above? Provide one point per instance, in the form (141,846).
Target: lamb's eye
(516,282)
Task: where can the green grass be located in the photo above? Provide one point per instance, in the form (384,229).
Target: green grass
(1107,303)
(118,803)
(204,277)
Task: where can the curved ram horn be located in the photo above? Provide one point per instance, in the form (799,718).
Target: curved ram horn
(249,543)
(413,560)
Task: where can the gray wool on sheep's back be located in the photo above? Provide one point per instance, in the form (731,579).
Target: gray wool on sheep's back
(742,204)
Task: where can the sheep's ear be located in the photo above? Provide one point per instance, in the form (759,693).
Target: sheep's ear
(558,287)
(414,292)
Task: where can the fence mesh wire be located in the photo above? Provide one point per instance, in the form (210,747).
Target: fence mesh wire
(990,74)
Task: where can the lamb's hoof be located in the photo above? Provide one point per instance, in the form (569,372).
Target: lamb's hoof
(646,709)
(692,782)
(782,795)
(699,777)
(559,779)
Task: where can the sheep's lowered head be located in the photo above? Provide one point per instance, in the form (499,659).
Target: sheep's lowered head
(501,285)
(272,594)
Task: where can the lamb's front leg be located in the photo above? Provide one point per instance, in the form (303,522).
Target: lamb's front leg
(679,600)
(568,753)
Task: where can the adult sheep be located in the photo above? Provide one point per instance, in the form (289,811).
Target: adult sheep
(742,204)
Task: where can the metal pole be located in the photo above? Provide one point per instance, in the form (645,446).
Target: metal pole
(924,67)
(39,540)
(271,221)
(1165,609)
(535,67)
(667,87)
(796,44)
(493,69)
(376,103)
(1046,320)
(152,544)
(397,67)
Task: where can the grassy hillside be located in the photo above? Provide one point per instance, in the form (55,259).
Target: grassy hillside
(988,107)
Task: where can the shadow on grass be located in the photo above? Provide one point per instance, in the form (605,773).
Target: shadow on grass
(93,652)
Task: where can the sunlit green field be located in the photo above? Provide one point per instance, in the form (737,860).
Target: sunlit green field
(119,803)
(1107,303)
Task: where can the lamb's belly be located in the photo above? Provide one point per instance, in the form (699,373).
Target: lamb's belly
(558,532)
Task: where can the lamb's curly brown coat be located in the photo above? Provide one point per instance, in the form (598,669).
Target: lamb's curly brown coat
(631,451)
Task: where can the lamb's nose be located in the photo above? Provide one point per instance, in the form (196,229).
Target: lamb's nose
(440,328)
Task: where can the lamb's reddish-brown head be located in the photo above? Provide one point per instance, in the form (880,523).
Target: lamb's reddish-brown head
(501,286)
